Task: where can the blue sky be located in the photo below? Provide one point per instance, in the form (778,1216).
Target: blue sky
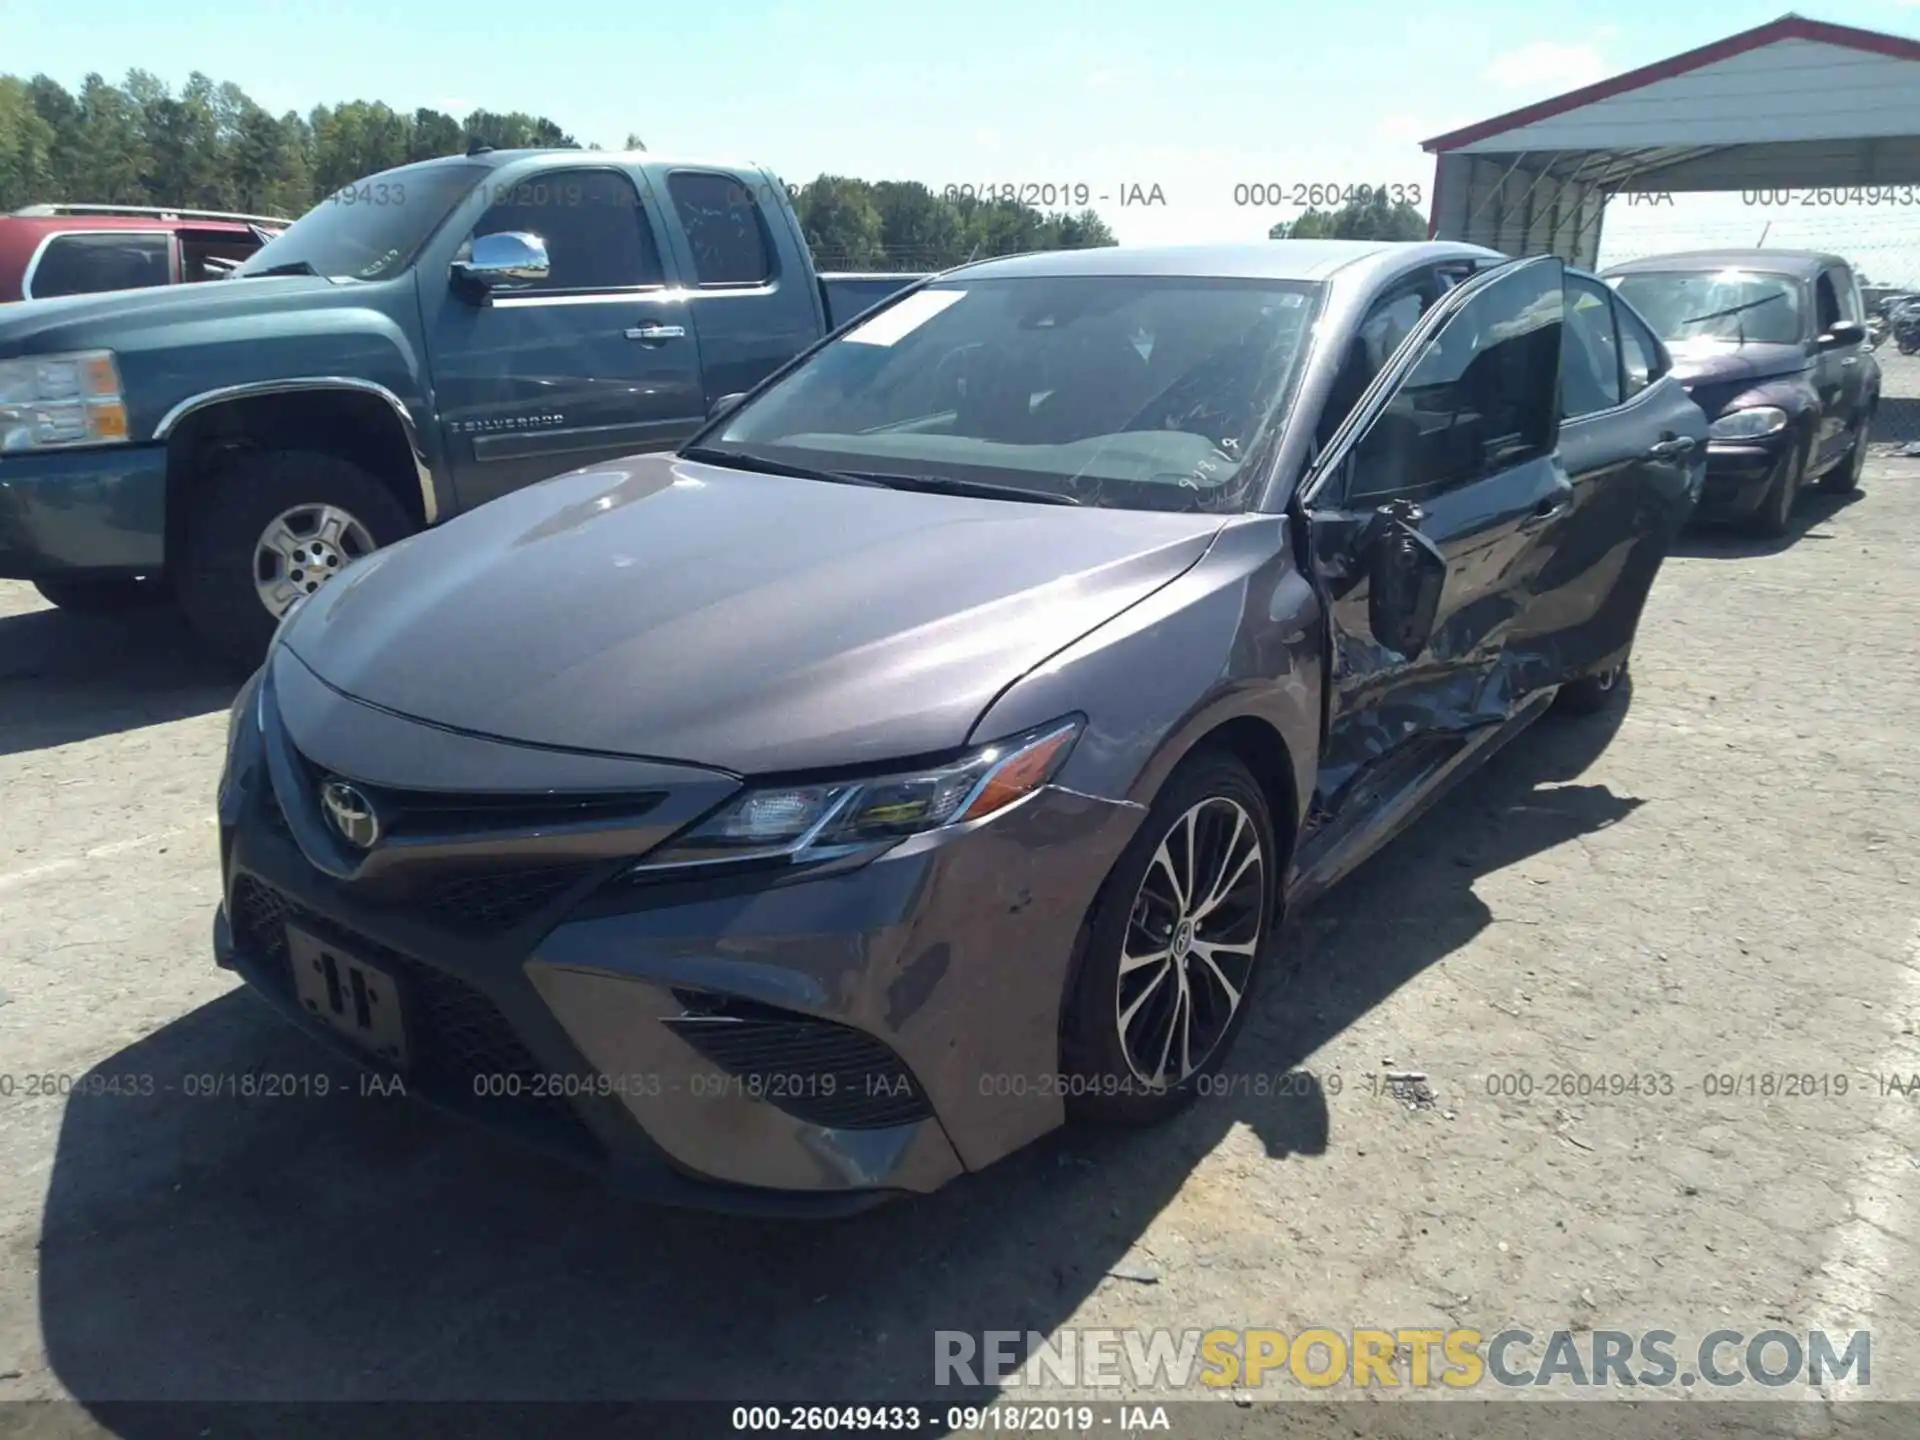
(1193,96)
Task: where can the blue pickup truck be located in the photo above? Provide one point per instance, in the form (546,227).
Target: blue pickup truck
(415,345)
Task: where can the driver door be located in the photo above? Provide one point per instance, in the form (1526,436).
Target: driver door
(1422,514)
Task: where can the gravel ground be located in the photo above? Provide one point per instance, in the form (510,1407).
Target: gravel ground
(1720,880)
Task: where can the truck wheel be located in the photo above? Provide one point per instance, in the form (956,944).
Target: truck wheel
(269,529)
(104,597)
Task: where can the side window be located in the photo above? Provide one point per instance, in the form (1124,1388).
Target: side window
(1641,359)
(1826,299)
(1849,287)
(596,231)
(724,228)
(1589,352)
(1483,396)
(85,264)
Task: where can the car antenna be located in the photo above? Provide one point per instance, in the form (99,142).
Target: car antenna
(477,146)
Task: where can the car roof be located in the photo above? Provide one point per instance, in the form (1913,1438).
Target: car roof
(1779,262)
(1309,260)
(56,224)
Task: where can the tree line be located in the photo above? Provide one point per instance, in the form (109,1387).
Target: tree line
(212,147)
(1371,217)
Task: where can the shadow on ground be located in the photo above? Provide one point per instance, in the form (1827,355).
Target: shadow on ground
(347,1248)
(65,677)
(1732,541)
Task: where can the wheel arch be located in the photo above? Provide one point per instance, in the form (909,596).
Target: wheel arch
(355,420)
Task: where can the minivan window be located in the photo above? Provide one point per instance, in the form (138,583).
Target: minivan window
(113,260)
(1137,392)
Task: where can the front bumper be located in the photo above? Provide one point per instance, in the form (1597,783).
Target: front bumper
(1740,473)
(885,1027)
(83,513)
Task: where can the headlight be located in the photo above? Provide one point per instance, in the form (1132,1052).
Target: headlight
(1750,424)
(49,402)
(818,822)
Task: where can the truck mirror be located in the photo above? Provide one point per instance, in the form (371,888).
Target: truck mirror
(503,261)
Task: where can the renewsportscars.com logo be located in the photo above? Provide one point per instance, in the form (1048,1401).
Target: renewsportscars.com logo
(1382,1359)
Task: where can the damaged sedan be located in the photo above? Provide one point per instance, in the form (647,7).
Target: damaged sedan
(926,753)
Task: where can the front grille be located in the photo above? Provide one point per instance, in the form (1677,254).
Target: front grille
(501,900)
(459,1038)
(470,903)
(815,1070)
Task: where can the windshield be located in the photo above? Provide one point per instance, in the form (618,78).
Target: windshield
(370,230)
(1137,392)
(1737,306)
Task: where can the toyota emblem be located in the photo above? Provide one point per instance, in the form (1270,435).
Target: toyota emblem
(350,813)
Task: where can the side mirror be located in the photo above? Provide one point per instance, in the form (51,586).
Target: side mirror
(1405,575)
(503,261)
(1847,332)
(725,403)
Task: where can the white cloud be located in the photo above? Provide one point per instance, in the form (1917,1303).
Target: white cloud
(459,109)
(1104,79)
(1548,66)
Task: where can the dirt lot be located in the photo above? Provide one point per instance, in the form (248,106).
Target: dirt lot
(1722,881)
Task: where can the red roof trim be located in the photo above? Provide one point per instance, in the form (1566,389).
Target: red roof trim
(1787,27)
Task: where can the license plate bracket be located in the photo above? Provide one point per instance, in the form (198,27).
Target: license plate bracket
(349,996)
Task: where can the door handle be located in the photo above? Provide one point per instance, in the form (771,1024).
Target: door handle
(1548,506)
(1674,445)
(656,332)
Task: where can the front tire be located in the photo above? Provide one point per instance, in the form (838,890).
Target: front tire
(1844,478)
(1173,947)
(104,597)
(1591,694)
(1774,518)
(270,528)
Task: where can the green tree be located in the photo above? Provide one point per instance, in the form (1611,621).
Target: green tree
(434,134)
(26,148)
(842,223)
(109,155)
(1373,217)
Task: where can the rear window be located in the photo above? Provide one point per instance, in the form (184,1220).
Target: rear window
(84,264)
(724,228)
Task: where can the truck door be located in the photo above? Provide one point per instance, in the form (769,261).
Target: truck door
(594,362)
(755,303)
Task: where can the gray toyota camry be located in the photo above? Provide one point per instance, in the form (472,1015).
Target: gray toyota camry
(926,753)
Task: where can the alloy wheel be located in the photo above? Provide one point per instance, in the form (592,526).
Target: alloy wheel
(1191,942)
(303,548)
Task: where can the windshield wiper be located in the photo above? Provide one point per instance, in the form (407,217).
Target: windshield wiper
(947,485)
(288,267)
(740,460)
(1736,309)
(929,484)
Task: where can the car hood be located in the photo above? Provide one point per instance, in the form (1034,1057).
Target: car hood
(1717,364)
(112,317)
(661,608)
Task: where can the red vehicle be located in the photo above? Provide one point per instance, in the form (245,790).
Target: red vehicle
(48,250)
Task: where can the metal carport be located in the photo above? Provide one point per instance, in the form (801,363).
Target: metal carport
(1791,104)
